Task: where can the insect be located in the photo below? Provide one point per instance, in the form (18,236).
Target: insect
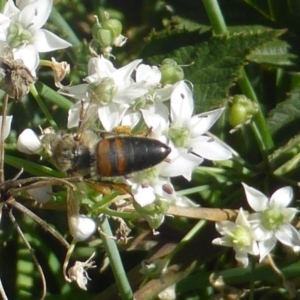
(88,154)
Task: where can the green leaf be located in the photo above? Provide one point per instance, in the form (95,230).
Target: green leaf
(274,53)
(214,63)
(285,115)
(31,167)
(52,96)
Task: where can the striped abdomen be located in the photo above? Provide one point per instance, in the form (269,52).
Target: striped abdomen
(123,155)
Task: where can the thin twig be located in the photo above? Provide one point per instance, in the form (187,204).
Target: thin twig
(2,292)
(21,235)
(4,109)
(46,181)
(38,220)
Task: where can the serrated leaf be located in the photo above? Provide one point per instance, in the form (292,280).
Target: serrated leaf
(214,63)
(285,114)
(274,53)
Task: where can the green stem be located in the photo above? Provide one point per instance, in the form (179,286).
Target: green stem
(115,261)
(43,107)
(189,236)
(121,214)
(259,127)
(64,27)
(215,16)
(251,294)
(288,166)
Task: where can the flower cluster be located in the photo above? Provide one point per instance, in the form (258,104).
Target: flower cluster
(258,233)
(134,96)
(20,28)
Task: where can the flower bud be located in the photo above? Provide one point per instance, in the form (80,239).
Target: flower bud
(105,37)
(96,27)
(81,227)
(153,213)
(241,110)
(114,26)
(171,72)
(28,142)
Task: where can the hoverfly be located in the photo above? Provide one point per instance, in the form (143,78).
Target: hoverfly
(90,154)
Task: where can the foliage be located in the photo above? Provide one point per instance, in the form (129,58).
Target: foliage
(255,55)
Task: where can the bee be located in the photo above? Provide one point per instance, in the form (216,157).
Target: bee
(88,154)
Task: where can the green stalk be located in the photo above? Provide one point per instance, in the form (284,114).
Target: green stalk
(259,127)
(115,261)
(64,27)
(31,167)
(42,106)
(188,237)
(215,16)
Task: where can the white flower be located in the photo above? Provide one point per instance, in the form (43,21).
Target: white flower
(149,185)
(149,78)
(8,120)
(20,27)
(238,235)
(147,75)
(28,142)
(187,133)
(79,274)
(111,89)
(272,219)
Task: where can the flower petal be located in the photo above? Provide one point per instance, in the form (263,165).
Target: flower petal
(4,24)
(223,241)
(45,41)
(289,214)
(76,91)
(241,219)
(182,104)
(200,124)
(282,197)
(34,15)
(225,227)
(257,200)
(181,165)
(111,115)
(288,235)
(122,76)
(242,257)
(30,57)
(266,246)
(143,195)
(210,148)
(127,94)
(10,9)
(131,119)
(148,75)
(99,67)
(8,120)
